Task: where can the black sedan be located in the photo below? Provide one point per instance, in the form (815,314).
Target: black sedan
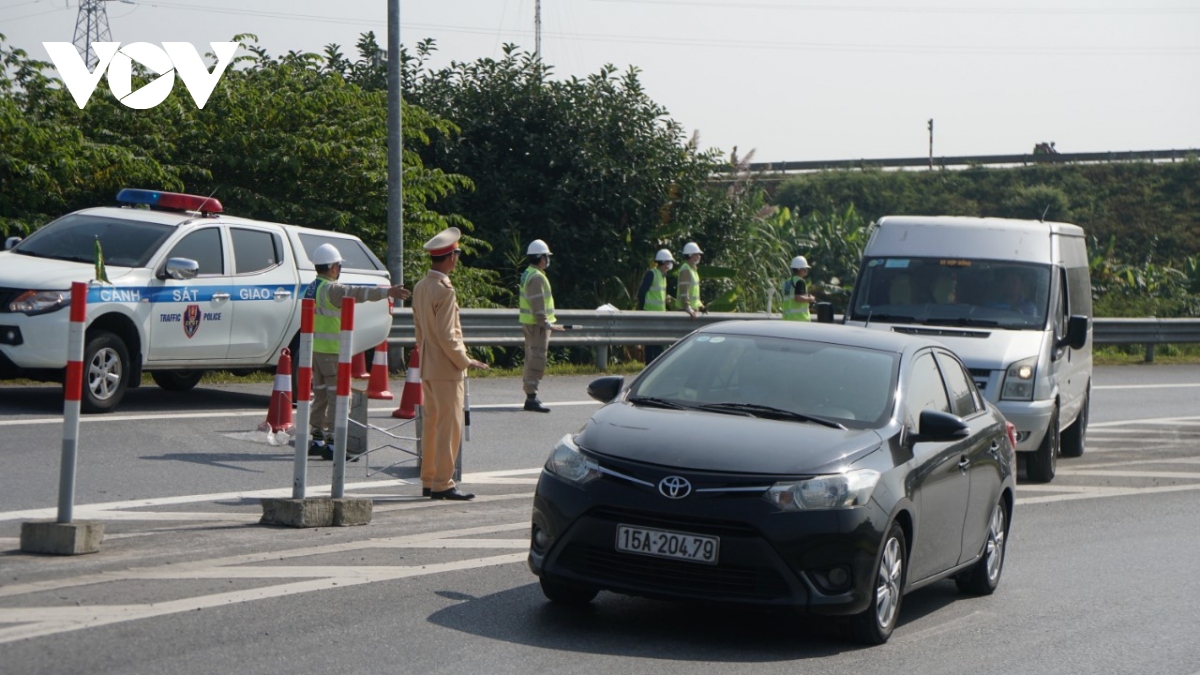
(824,468)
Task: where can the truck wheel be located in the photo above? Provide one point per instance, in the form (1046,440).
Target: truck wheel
(105,372)
(177,380)
(1073,437)
(1043,461)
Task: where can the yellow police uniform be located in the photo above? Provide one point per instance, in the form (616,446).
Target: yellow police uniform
(444,362)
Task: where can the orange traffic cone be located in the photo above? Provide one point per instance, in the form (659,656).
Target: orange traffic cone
(358,366)
(378,386)
(279,414)
(411,397)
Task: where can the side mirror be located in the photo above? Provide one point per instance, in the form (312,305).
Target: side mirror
(824,312)
(938,426)
(605,389)
(1077,330)
(11,242)
(181,269)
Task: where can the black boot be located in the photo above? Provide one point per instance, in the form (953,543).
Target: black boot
(532,404)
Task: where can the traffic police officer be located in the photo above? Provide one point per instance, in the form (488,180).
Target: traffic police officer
(689,280)
(796,298)
(327,295)
(537,320)
(444,363)
(652,294)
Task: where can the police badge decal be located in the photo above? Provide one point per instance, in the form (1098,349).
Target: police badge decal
(191,320)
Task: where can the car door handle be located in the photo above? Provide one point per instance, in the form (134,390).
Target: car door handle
(964,463)
(220,296)
(282,294)
(994,451)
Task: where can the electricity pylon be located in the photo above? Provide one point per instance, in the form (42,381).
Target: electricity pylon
(91,25)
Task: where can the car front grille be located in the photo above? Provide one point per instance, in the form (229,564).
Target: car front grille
(660,575)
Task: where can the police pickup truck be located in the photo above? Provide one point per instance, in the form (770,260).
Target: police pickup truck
(188,289)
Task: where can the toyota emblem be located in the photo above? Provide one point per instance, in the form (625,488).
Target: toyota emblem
(674,487)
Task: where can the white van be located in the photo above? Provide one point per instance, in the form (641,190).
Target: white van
(1012,298)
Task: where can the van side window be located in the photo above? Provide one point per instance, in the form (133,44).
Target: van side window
(1062,305)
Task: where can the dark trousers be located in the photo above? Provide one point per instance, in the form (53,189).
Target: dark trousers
(652,352)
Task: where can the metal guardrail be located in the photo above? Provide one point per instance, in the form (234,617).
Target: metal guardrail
(593,328)
(970,160)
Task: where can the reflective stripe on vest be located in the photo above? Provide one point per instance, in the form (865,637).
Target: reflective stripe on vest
(527,315)
(327,319)
(692,299)
(656,297)
(793,309)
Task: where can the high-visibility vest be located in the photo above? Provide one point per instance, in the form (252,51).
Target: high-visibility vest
(527,316)
(793,309)
(327,319)
(692,299)
(656,297)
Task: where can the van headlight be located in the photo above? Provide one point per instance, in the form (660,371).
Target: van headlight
(39,302)
(568,463)
(839,491)
(1019,379)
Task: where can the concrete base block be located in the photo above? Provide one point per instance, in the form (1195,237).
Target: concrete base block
(311,512)
(48,536)
(348,511)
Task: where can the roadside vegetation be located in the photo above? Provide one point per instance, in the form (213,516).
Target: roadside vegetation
(508,151)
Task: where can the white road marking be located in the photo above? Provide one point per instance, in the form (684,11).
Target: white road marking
(1182,421)
(1123,387)
(33,622)
(100,419)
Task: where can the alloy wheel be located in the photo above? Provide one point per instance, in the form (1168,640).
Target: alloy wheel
(887,590)
(104,373)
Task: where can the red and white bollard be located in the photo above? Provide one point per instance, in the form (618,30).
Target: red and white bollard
(72,402)
(341,419)
(303,397)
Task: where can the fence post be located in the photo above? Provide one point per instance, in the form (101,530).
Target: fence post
(602,358)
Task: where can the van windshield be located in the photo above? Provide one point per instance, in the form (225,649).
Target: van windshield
(953,292)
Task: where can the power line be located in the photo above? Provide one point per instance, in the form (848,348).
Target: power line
(909,10)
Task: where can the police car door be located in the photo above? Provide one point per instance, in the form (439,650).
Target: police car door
(191,318)
(265,298)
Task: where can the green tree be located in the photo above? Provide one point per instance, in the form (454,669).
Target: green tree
(592,166)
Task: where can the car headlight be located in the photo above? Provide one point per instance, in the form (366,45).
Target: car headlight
(39,302)
(1019,380)
(568,463)
(839,491)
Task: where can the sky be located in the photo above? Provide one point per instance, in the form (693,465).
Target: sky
(790,80)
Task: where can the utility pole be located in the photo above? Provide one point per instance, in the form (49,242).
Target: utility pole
(91,25)
(537,29)
(931,143)
(395,153)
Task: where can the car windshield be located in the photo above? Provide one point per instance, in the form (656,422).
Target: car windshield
(953,292)
(125,243)
(745,374)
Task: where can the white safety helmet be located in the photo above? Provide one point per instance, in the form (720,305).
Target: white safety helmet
(691,248)
(538,247)
(664,255)
(326,254)
(799,263)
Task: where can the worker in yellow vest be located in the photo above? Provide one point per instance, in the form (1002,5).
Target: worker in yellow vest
(327,295)
(537,321)
(689,280)
(796,298)
(652,294)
